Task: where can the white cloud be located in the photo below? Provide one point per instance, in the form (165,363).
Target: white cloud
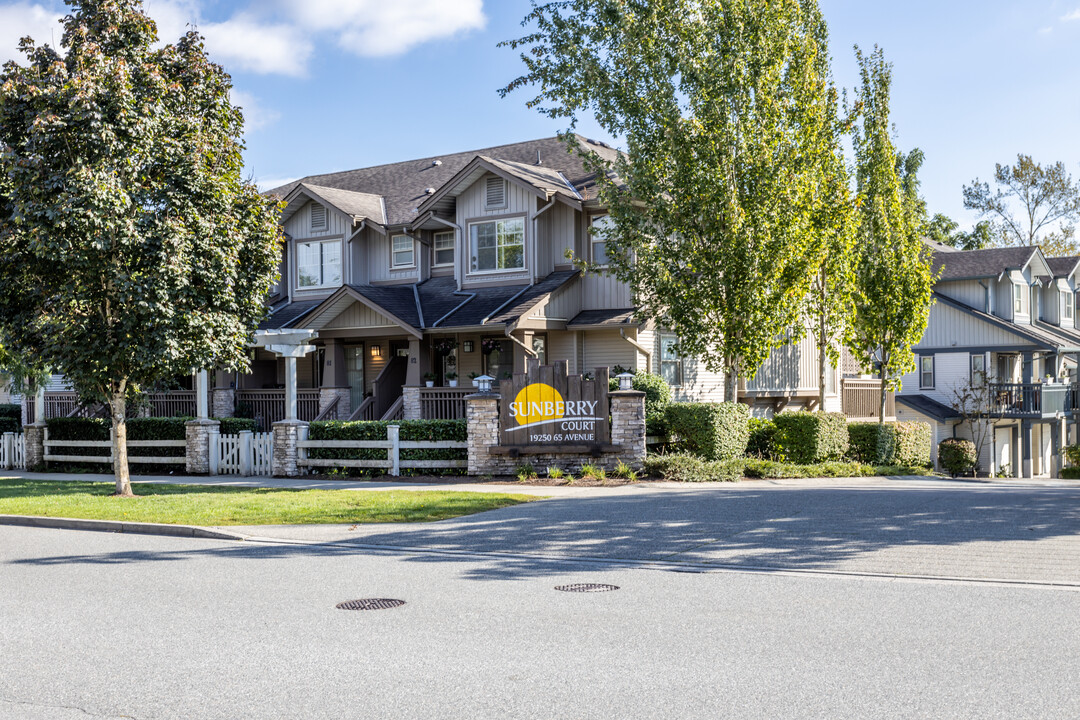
(22,19)
(1069,17)
(387,27)
(243,42)
(255,115)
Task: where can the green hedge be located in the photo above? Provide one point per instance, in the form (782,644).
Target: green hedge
(233,425)
(411,430)
(684,467)
(10,425)
(957,456)
(1070,473)
(904,443)
(805,437)
(713,431)
(762,431)
(11,410)
(1072,455)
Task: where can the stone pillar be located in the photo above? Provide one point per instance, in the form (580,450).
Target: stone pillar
(482,421)
(628,425)
(202,435)
(343,395)
(287,434)
(34,436)
(223,402)
(410,396)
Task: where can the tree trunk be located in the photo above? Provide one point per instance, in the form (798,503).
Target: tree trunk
(731,382)
(118,411)
(882,441)
(822,355)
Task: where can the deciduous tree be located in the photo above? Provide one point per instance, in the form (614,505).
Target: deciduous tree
(131,247)
(725,107)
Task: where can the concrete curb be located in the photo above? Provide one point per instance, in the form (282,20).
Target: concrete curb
(60,523)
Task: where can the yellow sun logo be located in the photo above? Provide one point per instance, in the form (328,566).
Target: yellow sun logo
(538,402)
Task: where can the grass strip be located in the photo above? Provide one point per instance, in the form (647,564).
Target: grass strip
(210,505)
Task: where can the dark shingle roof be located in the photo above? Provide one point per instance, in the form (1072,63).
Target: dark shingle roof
(286,315)
(1063,266)
(981,263)
(403,185)
(398,300)
(929,406)
(525,302)
(624,316)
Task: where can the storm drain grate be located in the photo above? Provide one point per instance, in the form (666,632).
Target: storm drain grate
(586,587)
(370,604)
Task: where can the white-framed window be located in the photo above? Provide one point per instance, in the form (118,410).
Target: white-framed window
(494,193)
(1018,298)
(318,216)
(497,245)
(401,251)
(598,245)
(1067,306)
(318,264)
(442,249)
(671,364)
(978,369)
(926,372)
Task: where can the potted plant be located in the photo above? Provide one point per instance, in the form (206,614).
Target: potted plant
(429,379)
(473,376)
(451,379)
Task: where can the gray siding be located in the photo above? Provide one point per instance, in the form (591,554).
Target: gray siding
(378,260)
(604,292)
(969,292)
(360,316)
(470,208)
(950,327)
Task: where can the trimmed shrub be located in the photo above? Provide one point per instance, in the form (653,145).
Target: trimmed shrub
(804,437)
(1072,455)
(905,443)
(10,425)
(411,430)
(714,431)
(233,425)
(1070,473)
(11,410)
(957,456)
(684,467)
(80,428)
(762,431)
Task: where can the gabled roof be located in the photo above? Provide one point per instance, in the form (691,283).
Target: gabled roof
(403,185)
(989,263)
(604,318)
(357,205)
(1063,267)
(287,314)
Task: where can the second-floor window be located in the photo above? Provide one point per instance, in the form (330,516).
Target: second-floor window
(1067,306)
(926,371)
(443,249)
(1018,298)
(671,366)
(599,245)
(318,264)
(978,369)
(497,245)
(401,251)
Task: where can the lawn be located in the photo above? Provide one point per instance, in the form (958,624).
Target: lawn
(207,505)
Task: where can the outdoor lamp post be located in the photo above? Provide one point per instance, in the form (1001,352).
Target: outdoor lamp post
(626,381)
(483,383)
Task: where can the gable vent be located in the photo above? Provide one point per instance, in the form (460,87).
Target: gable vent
(318,216)
(495,193)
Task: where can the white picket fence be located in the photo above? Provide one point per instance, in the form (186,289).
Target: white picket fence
(392,444)
(13,451)
(51,456)
(246,453)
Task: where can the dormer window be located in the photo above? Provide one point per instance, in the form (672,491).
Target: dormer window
(318,216)
(1018,298)
(494,193)
(443,249)
(401,253)
(1067,306)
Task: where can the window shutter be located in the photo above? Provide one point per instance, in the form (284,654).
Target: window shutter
(495,193)
(318,216)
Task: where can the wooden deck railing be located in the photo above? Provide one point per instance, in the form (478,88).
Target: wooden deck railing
(268,406)
(175,403)
(862,399)
(443,403)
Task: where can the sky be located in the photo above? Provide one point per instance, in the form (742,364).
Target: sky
(332,85)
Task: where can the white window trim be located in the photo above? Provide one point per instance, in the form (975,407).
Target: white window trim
(524,246)
(594,241)
(1066,306)
(322,265)
(933,372)
(679,359)
(506,195)
(435,249)
(1018,299)
(326,217)
(393,260)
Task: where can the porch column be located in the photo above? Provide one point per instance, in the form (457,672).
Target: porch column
(1028,367)
(1025,443)
(290,387)
(414,375)
(1050,365)
(1057,444)
(202,389)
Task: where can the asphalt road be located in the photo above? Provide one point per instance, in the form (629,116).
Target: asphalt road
(104,625)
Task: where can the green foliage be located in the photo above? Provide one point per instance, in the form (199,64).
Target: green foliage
(760,443)
(10,425)
(902,443)
(657,397)
(805,437)
(525,472)
(1070,473)
(729,120)
(714,431)
(10,418)
(134,247)
(957,456)
(771,469)
(592,472)
(555,473)
(233,425)
(624,471)
(893,278)
(1072,455)
(684,467)
(411,430)
(80,428)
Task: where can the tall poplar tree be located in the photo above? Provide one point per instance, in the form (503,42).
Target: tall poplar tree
(893,280)
(724,106)
(131,248)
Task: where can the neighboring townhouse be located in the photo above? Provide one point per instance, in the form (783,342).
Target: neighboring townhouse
(1003,329)
(462,264)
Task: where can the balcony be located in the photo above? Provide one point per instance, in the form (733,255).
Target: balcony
(1031,400)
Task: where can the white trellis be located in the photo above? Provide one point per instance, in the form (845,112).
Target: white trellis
(245,453)
(13,451)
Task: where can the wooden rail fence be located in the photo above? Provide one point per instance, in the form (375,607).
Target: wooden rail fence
(393,462)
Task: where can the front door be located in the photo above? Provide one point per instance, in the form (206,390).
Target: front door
(1003,445)
(354,374)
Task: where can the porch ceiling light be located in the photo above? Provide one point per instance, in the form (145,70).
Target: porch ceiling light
(483,383)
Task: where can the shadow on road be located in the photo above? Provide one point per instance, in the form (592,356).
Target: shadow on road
(796,528)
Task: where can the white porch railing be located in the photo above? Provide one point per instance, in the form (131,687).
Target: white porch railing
(13,451)
(245,453)
(393,463)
